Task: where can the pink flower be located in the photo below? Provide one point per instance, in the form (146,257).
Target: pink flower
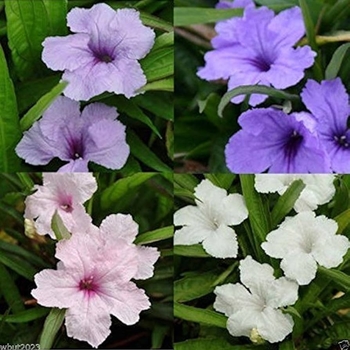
(64,193)
(93,276)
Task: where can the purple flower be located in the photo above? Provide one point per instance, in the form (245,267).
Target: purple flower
(227,4)
(279,142)
(103,55)
(258,49)
(64,132)
(329,104)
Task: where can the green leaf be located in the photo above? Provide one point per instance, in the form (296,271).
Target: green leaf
(27,182)
(194,314)
(286,202)
(133,111)
(336,61)
(19,265)
(58,227)
(253,89)
(155,22)
(10,133)
(287,345)
(258,213)
(52,325)
(184,16)
(195,251)
(185,182)
(25,316)
(9,290)
(114,193)
(142,152)
(159,103)
(338,277)
(158,64)
(221,180)
(28,24)
(166,39)
(343,220)
(41,106)
(159,85)
(158,334)
(194,287)
(212,344)
(155,236)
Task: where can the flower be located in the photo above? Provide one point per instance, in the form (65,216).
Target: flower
(253,308)
(209,221)
(93,280)
(303,241)
(102,55)
(226,4)
(279,142)
(120,226)
(329,104)
(258,49)
(64,194)
(93,135)
(319,189)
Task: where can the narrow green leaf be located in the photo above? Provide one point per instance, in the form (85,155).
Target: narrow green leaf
(194,287)
(195,251)
(11,211)
(184,16)
(155,236)
(343,220)
(10,133)
(115,192)
(311,37)
(338,277)
(194,314)
(156,22)
(52,325)
(221,180)
(213,344)
(133,111)
(142,152)
(9,291)
(28,24)
(19,265)
(40,107)
(253,89)
(158,64)
(58,227)
(286,202)
(158,334)
(287,345)
(336,61)
(160,104)
(159,85)
(166,39)
(25,316)
(277,5)
(258,212)
(27,182)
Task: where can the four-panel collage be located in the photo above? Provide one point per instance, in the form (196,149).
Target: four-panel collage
(175,174)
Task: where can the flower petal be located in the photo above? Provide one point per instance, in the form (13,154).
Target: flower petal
(221,243)
(190,235)
(146,256)
(77,166)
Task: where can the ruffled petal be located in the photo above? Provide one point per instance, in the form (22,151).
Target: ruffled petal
(146,256)
(191,235)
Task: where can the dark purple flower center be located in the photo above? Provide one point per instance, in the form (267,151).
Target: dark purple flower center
(76,149)
(342,141)
(292,145)
(88,286)
(66,204)
(262,63)
(102,54)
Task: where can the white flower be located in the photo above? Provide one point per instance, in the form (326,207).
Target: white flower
(209,221)
(253,308)
(319,188)
(303,241)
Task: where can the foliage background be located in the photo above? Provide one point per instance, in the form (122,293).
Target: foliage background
(28,87)
(200,134)
(148,198)
(320,320)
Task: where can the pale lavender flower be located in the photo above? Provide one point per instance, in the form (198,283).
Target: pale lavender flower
(64,132)
(258,49)
(92,281)
(64,194)
(275,141)
(227,4)
(329,104)
(103,55)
